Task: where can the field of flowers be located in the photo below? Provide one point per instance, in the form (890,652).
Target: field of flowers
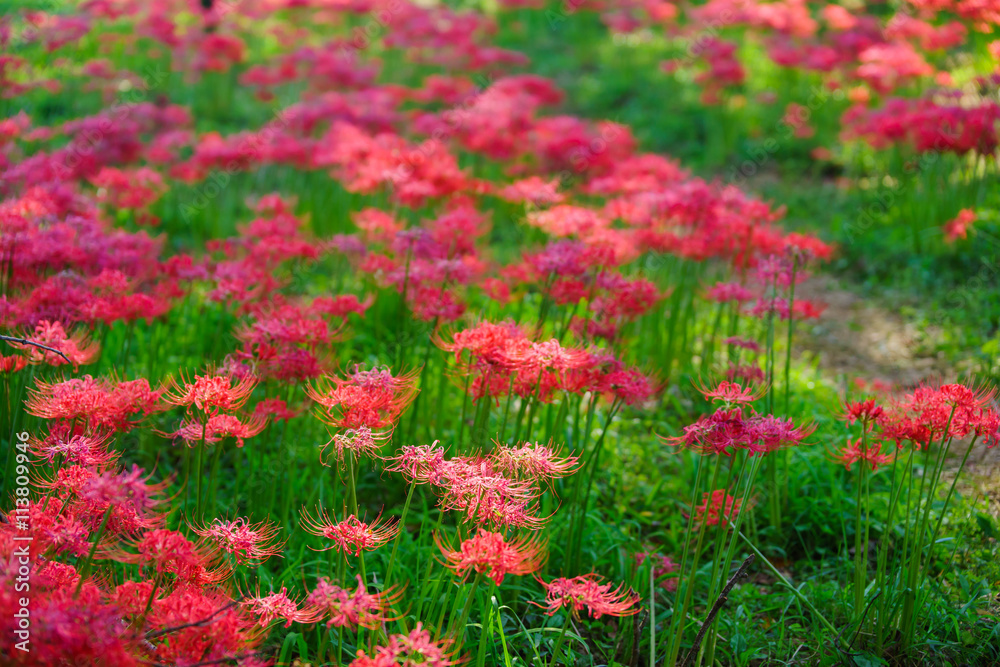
(423,332)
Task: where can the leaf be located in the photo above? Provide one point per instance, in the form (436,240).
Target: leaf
(866,660)
(286,647)
(985,523)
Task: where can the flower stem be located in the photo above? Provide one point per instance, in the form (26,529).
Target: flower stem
(562,638)
(85,570)
(399,533)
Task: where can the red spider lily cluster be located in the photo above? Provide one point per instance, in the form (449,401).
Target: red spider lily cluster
(102,513)
(500,490)
(736,426)
(369,399)
(351,535)
(358,608)
(930,414)
(490,554)
(424,173)
(878,60)
(718,508)
(588,592)
(503,361)
(211,401)
(94,404)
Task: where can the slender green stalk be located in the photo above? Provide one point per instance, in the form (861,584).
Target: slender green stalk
(947,500)
(85,570)
(677,619)
(198,466)
(559,642)
(213,478)
(458,629)
(791,330)
(399,534)
(859,552)
(506,409)
(593,464)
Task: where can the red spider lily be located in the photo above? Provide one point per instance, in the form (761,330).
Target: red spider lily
(187,608)
(745,373)
(84,450)
(246,542)
(533,462)
(662,566)
(210,392)
(131,189)
(285,339)
(529,358)
(89,494)
(727,292)
(415,648)
(533,190)
(611,378)
(372,398)
(100,404)
(485,341)
(361,441)
(88,634)
(773,433)
(729,429)
(875,386)
(170,552)
(624,300)
(485,497)
(723,430)
(939,413)
(926,124)
(218,427)
(743,343)
(56,527)
(119,488)
(351,535)
(799,309)
(275,408)
(77,348)
(958,228)
(12,364)
(376,225)
(490,554)
(856,452)
(587,592)
(718,506)
(867,412)
(351,609)
(731,393)
(779,270)
(275,606)
(420,464)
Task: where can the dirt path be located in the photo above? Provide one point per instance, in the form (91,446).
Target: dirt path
(861,338)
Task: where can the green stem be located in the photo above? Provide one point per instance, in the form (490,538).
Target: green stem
(399,534)
(85,570)
(562,638)
(459,628)
(947,501)
(214,477)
